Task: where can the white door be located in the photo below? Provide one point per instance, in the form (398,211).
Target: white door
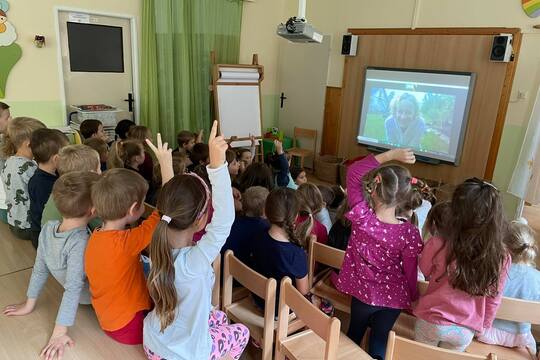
(303,71)
(103,76)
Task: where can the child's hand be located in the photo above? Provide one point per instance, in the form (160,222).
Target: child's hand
(24,308)
(279,147)
(200,135)
(164,156)
(252,139)
(403,155)
(58,341)
(217,148)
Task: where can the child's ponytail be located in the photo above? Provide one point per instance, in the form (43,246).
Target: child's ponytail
(161,278)
(282,209)
(183,201)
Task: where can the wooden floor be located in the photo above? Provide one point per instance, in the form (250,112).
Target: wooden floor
(23,337)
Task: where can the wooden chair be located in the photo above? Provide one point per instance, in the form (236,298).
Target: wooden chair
(261,328)
(303,153)
(399,348)
(511,310)
(261,324)
(321,285)
(322,340)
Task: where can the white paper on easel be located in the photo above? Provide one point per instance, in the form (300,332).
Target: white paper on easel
(239,111)
(525,182)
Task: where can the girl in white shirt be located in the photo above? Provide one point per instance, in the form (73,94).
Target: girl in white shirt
(183,324)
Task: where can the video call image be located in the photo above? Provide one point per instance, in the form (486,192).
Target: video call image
(426,115)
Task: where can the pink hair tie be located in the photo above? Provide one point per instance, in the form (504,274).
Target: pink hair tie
(414,181)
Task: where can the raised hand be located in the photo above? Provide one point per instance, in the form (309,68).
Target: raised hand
(217,148)
(404,155)
(279,147)
(164,156)
(200,135)
(252,139)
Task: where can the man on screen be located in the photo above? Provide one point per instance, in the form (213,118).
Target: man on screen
(405,127)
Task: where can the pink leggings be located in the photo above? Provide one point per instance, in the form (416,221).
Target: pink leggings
(226,339)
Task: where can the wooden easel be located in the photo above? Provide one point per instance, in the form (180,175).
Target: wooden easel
(218,82)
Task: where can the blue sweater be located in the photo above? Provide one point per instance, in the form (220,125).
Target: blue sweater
(523,283)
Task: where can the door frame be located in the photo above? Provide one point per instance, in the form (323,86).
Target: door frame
(134,54)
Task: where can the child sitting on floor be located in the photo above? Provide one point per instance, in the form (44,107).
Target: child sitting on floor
(112,260)
(127,154)
(93,128)
(141,133)
(102,148)
(248,226)
(183,324)
(298,176)
(45,145)
(523,283)
(198,156)
(61,254)
(72,158)
(17,171)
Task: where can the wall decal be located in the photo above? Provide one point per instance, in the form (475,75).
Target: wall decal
(531,7)
(10,51)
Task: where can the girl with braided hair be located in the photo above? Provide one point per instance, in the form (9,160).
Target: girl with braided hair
(279,251)
(380,266)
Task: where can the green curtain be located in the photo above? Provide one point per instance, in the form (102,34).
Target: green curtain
(177,38)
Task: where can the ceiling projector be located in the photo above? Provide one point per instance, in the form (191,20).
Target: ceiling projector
(297,29)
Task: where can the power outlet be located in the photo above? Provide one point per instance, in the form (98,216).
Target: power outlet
(522,95)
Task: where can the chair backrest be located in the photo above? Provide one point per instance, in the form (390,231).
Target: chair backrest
(325,255)
(265,288)
(519,311)
(305,134)
(325,327)
(216,291)
(400,348)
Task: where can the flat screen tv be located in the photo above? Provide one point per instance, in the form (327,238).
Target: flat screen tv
(95,48)
(424,110)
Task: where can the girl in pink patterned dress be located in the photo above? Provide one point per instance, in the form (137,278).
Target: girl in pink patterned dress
(380,266)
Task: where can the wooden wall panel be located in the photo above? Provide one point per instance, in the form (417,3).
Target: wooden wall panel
(435,49)
(332,118)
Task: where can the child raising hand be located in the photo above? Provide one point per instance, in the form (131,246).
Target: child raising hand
(183,324)
(380,266)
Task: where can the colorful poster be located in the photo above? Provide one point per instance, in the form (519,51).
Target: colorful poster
(10,52)
(531,7)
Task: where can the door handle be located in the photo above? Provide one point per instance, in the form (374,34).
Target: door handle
(130,100)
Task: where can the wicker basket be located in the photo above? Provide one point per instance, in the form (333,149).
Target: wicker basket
(326,168)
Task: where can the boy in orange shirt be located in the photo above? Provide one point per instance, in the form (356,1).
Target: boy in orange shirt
(112,260)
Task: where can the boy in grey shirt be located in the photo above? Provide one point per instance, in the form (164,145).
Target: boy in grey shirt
(61,253)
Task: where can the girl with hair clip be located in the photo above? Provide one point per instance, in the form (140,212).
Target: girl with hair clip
(523,283)
(467,266)
(380,266)
(312,204)
(183,324)
(279,252)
